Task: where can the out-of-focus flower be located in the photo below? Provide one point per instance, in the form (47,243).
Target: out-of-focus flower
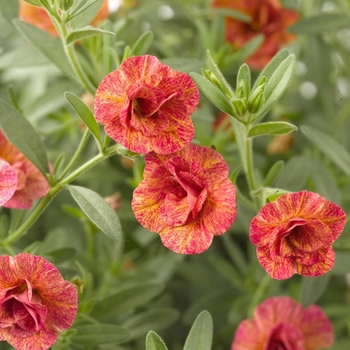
(269,18)
(36,303)
(146,106)
(280,144)
(8,182)
(37,16)
(186,197)
(114,201)
(294,234)
(282,323)
(31,183)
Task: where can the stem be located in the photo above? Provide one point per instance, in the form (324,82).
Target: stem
(258,294)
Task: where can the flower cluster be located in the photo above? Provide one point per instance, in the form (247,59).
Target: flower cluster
(21,182)
(36,303)
(282,323)
(268,17)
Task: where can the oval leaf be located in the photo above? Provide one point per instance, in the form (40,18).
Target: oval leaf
(213,93)
(154,342)
(142,44)
(22,135)
(320,23)
(329,146)
(85,33)
(244,75)
(201,333)
(271,128)
(97,210)
(228,12)
(98,334)
(274,173)
(277,84)
(85,114)
(312,288)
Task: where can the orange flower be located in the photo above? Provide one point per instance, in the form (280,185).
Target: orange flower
(268,18)
(38,16)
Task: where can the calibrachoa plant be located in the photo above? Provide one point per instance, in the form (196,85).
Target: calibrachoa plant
(181,149)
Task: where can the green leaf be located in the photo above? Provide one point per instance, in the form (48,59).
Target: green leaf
(201,333)
(154,342)
(271,128)
(98,334)
(235,173)
(244,75)
(85,114)
(213,93)
(156,318)
(142,44)
(228,12)
(23,136)
(312,288)
(185,65)
(329,146)
(80,7)
(126,299)
(9,9)
(277,84)
(217,32)
(61,254)
(47,44)
(85,33)
(271,67)
(274,173)
(321,23)
(22,57)
(98,211)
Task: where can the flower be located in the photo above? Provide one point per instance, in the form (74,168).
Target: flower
(36,303)
(269,18)
(186,197)
(38,16)
(8,182)
(282,323)
(31,184)
(146,106)
(294,234)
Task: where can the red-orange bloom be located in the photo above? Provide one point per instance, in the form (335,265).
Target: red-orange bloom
(186,197)
(36,303)
(146,106)
(31,183)
(269,18)
(8,181)
(282,323)
(38,16)
(294,234)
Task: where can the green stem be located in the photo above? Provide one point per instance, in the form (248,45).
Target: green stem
(53,191)
(258,294)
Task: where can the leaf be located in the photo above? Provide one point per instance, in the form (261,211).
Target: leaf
(81,6)
(244,75)
(98,211)
(274,173)
(142,44)
(329,146)
(156,318)
(228,12)
(201,333)
(23,136)
(217,32)
(321,23)
(277,84)
(126,299)
(61,254)
(85,33)
(154,342)
(22,57)
(9,9)
(312,288)
(99,333)
(185,65)
(213,93)
(85,114)
(271,128)
(271,67)
(47,44)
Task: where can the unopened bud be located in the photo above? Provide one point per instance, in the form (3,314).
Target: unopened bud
(241,89)
(65,5)
(257,99)
(239,107)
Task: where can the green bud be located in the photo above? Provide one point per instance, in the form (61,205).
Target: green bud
(65,5)
(239,107)
(240,92)
(257,98)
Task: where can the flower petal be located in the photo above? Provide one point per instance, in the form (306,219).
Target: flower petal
(8,181)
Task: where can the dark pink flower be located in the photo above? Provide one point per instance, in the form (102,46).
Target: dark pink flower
(186,197)
(294,234)
(280,323)
(8,182)
(36,303)
(146,106)
(31,183)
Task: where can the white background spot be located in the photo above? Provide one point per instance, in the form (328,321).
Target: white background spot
(165,12)
(113,5)
(308,90)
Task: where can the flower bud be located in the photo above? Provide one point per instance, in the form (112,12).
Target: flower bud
(257,98)
(65,5)
(241,90)
(239,107)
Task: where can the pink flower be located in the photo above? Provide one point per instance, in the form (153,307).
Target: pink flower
(36,303)
(31,184)
(146,106)
(282,323)
(186,197)
(269,18)
(294,234)
(8,182)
